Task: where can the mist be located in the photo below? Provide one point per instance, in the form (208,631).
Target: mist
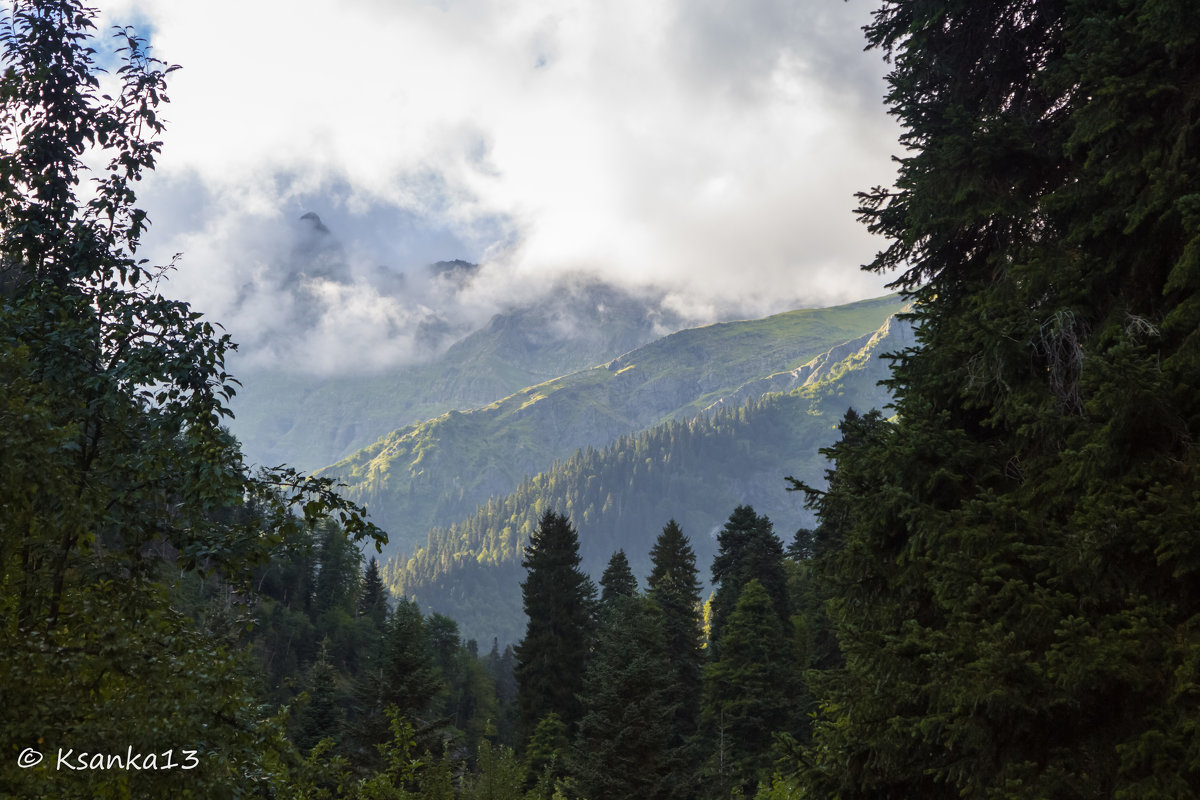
(703,156)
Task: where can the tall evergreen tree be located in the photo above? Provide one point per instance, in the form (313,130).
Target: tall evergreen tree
(746,693)
(340,565)
(404,678)
(675,589)
(747,549)
(1016,574)
(559,601)
(410,674)
(546,756)
(321,717)
(373,596)
(618,581)
(623,749)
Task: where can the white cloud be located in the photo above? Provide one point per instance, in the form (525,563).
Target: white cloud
(709,147)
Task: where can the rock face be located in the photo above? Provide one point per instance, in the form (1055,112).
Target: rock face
(437,472)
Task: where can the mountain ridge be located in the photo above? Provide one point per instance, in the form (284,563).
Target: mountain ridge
(437,471)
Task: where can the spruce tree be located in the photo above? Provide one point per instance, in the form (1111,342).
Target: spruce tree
(747,549)
(404,679)
(373,596)
(618,581)
(410,673)
(1016,567)
(322,716)
(559,601)
(546,756)
(746,691)
(675,589)
(338,577)
(623,749)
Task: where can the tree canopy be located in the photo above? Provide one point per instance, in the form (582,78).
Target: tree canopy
(1014,565)
(115,472)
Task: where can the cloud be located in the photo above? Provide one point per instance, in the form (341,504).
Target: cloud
(707,148)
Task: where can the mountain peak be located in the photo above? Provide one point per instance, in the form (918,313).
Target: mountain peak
(315,221)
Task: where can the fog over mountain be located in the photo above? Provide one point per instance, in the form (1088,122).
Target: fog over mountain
(312,304)
(703,153)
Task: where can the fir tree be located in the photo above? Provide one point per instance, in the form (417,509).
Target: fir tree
(321,717)
(404,680)
(410,674)
(559,601)
(337,580)
(546,756)
(373,597)
(746,692)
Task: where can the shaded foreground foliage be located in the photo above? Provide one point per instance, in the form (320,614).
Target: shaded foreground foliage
(119,489)
(1012,563)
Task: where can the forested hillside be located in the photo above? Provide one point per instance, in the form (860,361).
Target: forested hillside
(438,472)
(619,496)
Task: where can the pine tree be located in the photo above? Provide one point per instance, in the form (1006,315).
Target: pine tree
(559,601)
(617,581)
(1015,566)
(675,589)
(623,748)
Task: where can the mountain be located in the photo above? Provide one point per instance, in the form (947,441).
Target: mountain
(694,471)
(311,421)
(437,472)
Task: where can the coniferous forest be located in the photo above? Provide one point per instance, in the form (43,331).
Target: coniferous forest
(999,598)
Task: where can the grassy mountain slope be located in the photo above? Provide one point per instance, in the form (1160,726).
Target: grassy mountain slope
(438,471)
(695,471)
(311,421)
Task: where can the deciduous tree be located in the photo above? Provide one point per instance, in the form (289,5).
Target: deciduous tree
(115,472)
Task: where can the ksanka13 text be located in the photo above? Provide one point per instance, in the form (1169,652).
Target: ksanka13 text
(69,759)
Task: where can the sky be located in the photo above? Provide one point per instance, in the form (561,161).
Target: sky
(705,152)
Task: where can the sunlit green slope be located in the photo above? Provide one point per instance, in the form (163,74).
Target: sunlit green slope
(437,472)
